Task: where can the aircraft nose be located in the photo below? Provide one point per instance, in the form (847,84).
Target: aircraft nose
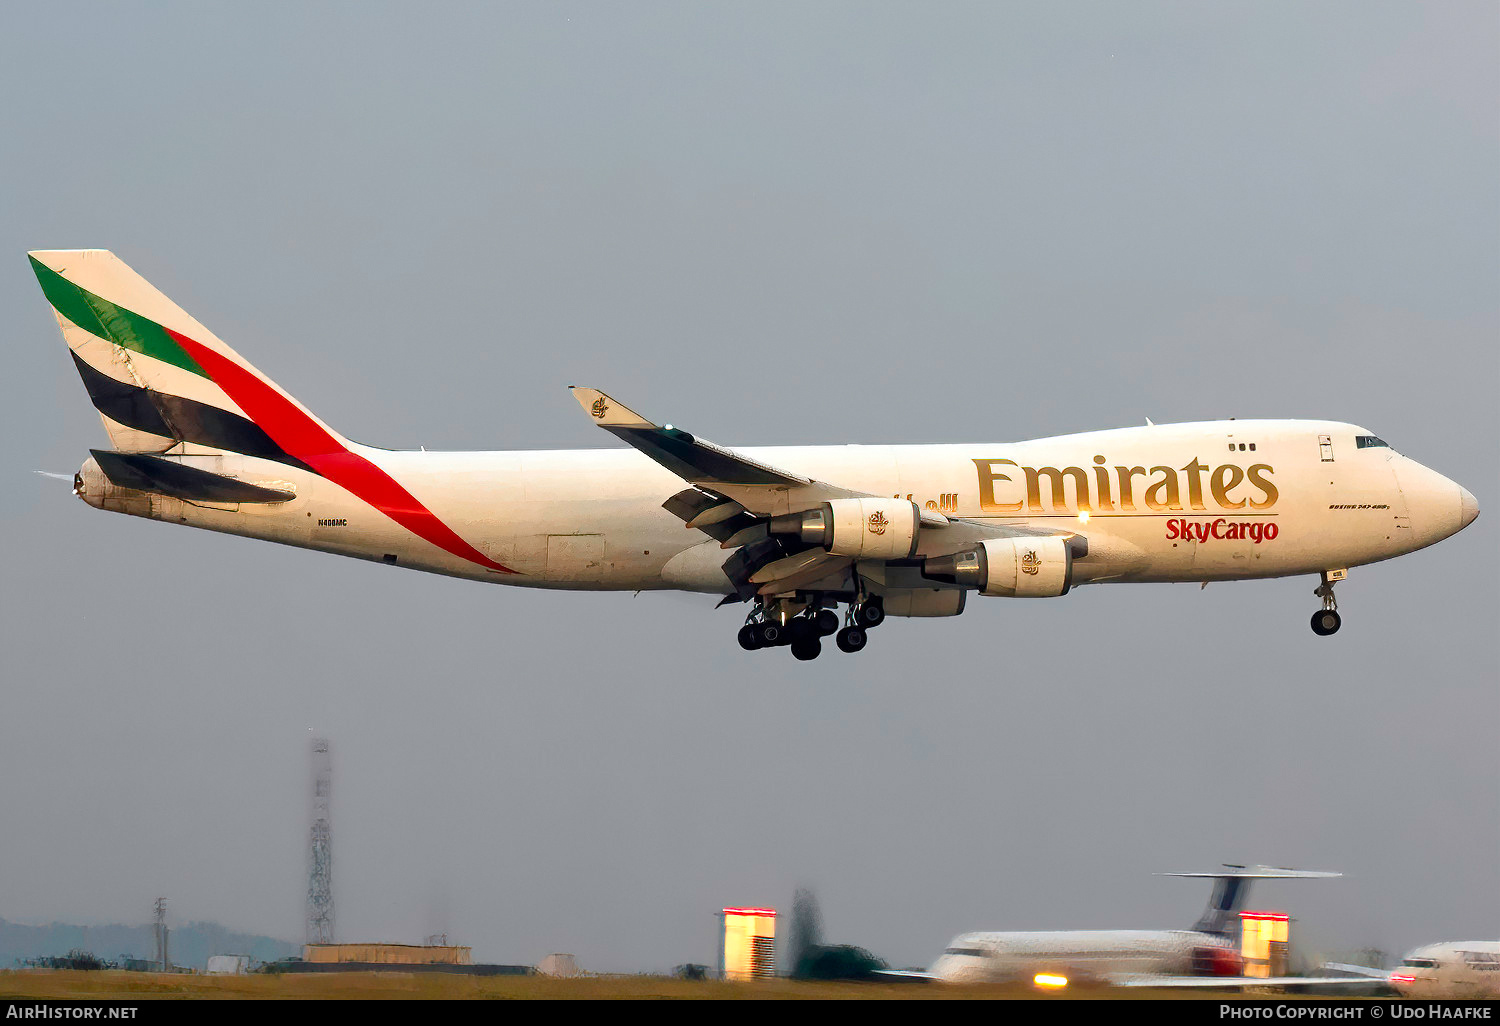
(1438,507)
(1468,507)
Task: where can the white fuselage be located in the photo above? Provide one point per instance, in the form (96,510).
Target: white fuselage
(1078,955)
(1453,969)
(1209,501)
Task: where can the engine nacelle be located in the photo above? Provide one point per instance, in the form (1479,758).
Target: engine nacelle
(1040,567)
(1217,961)
(861,528)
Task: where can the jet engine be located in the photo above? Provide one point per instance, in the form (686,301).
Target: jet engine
(1040,567)
(862,528)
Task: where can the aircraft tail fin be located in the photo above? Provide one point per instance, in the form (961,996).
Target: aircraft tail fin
(1232,890)
(158,378)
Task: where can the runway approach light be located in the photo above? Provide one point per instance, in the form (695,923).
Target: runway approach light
(1263,943)
(1050,981)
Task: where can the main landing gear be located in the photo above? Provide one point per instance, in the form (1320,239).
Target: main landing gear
(1326,621)
(804,631)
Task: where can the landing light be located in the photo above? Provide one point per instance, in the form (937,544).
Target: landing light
(1083,516)
(1052,981)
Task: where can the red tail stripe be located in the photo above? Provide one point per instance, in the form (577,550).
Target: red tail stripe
(310,442)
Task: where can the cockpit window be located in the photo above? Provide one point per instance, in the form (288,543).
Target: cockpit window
(1420,963)
(1369,442)
(976,952)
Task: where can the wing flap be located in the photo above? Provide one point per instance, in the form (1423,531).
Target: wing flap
(716,514)
(796,565)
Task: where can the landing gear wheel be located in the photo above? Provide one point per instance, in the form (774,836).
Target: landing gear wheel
(807,648)
(1325,622)
(749,638)
(851,639)
(770,634)
(870,614)
(827,622)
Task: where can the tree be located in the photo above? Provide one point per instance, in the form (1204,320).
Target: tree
(805,934)
(838,962)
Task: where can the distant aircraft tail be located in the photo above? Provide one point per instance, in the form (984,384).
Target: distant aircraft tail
(1232,890)
(159,378)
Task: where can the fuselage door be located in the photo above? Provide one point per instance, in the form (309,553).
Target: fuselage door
(1325,448)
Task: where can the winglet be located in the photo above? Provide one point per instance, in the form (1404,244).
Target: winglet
(608,412)
(696,460)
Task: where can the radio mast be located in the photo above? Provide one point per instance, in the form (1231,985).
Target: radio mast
(320,850)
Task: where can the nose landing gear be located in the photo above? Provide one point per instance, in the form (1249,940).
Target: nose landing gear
(1326,621)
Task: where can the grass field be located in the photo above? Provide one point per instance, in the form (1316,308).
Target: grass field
(61,984)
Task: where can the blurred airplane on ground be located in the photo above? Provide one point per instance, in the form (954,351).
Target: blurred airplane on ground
(1204,956)
(1451,969)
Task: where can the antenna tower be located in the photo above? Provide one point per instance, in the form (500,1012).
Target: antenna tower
(320,850)
(160,913)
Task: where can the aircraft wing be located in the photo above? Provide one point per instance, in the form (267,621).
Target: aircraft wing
(757,487)
(1369,972)
(732,498)
(911,975)
(1234,982)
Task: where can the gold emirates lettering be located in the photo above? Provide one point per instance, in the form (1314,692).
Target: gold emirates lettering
(1048,489)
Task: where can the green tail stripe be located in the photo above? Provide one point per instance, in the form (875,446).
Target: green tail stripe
(98,316)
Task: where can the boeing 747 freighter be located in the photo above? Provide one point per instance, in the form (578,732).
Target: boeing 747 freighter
(797,534)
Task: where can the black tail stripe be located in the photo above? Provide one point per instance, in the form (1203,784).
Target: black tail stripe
(126,404)
(172,416)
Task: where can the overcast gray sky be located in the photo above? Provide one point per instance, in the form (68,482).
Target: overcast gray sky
(768,223)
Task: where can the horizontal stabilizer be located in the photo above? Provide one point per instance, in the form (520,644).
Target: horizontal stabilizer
(1230,872)
(1232,889)
(148,473)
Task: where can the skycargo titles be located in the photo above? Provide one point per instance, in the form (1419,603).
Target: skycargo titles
(1112,489)
(1253,531)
